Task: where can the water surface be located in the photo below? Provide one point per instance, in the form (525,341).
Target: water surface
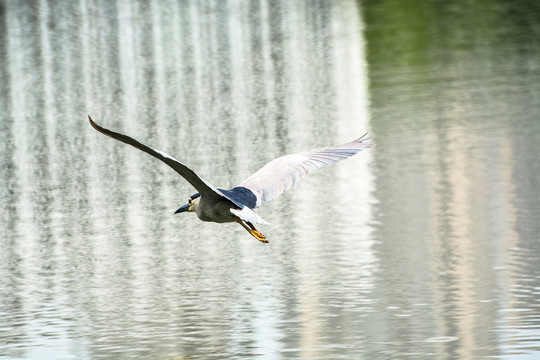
(425,246)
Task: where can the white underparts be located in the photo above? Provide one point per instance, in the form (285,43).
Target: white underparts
(249,215)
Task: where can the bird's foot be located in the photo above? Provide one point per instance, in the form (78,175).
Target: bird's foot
(257,235)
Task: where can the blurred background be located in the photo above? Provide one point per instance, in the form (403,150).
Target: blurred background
(425,246)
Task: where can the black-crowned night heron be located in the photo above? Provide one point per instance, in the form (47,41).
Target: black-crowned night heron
(237,204)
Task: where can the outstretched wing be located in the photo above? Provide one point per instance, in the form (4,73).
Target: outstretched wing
(280,174)
(202,186)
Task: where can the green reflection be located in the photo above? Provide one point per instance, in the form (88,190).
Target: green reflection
(454,89)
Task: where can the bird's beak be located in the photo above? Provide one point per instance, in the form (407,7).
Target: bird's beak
(182,209)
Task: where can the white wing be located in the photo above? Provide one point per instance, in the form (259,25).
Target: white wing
(280,174)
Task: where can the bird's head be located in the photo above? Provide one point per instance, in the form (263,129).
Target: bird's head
(192,204)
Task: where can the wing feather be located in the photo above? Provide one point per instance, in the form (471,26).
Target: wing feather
(281,174)
(202,186)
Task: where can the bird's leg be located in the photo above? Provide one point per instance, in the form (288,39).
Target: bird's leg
(256,233)
(251,229)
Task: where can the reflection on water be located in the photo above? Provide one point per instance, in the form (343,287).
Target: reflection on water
(425,246)
(455,114)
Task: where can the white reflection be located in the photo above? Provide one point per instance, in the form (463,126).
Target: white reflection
(225,87)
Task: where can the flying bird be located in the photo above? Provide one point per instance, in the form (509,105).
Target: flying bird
(237,204)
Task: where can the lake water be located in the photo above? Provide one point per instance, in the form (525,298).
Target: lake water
(426,246)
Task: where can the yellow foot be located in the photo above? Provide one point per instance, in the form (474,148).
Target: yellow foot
(257,235)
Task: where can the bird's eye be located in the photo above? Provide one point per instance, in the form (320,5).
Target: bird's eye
(189,201)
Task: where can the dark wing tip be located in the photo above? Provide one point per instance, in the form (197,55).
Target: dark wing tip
(94,125)
(105,131)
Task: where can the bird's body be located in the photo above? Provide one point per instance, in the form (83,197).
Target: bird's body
(216,211)
(237,204)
